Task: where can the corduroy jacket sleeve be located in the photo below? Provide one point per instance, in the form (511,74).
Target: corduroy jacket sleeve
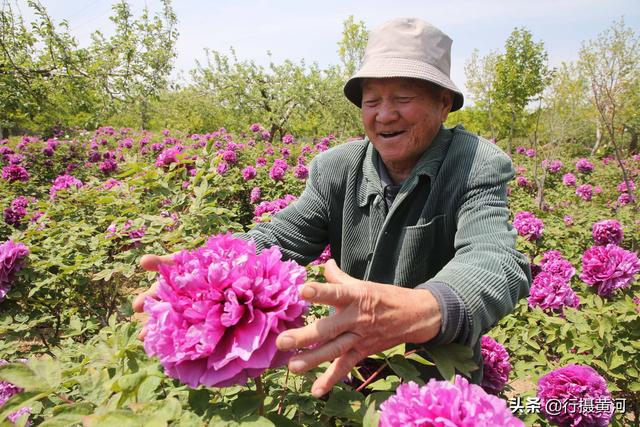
(488,274)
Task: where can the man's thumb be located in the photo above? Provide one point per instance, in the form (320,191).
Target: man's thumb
(333,274)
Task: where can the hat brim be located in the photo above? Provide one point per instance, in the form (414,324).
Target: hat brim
(381,68)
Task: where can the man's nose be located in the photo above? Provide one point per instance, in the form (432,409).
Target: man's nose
(387,113)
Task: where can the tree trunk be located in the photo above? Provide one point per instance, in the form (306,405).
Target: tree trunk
(598,140)
(5,132)
(633,142)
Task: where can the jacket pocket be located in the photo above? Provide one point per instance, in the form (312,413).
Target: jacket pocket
(419,259)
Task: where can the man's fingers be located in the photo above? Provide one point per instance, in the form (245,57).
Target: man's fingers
(138,302)
(142,334)
(333,274)
(326,352)
(335,372)
(320,331)
(335,294)
(151,262)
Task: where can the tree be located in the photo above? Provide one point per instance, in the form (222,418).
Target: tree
(481,77)
(352,45)
(521,76)
(611,63)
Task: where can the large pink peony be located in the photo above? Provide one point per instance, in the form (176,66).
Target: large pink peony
(219,311)
(572,386)
(12,259)
(608,268)
(441,403)
(496,365)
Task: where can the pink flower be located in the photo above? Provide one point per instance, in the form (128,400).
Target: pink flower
(552,293)
(271,207)
(255,195)
(14,173)
(219,311)
(441,403)
(324,256)
(222,167)
(288,139)
(528,225)
(63,182)
(585,191)
(554,263)
(255,127)
(574,383)
(568,220)
(583,165)
(608,268)
(569,179)
(301,172)
(622,187)
(11,261)
(496,365)
(522,181)
(607,231)
(277,173)
(530,152)
(248,173)
(168,156)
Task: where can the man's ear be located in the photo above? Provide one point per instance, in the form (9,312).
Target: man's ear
(446,98)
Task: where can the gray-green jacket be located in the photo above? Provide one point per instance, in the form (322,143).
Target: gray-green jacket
(448,224)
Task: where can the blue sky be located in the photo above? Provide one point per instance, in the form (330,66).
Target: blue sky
(311,30)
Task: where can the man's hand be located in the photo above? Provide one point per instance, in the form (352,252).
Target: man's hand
(370,317)
(149,263)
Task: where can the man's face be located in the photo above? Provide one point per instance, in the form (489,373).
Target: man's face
(401,117)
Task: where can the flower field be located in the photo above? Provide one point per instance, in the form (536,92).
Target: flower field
(79,211)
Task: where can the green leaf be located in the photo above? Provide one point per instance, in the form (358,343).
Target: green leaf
(82,408)
(345,403)
(389,383)
(451,357)
(246,403)
(371,417)
(118,418)
(63,420)
(281,420)
(22,376)
(20,400)
(403,368)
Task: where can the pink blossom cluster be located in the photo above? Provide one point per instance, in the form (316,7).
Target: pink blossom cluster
(248,173)
(12,259)
(576,383)
(584,165)
(552,293)
(278,170)
(255,195)
(608,268)
(169,156)
(569,179)
(63,182)
(528,225)
(441,403)
(496,365)
(13,173)
(585,191)
(219,310)
(16,211)
(554,263)
(324,256)
(607,231)
(271,207)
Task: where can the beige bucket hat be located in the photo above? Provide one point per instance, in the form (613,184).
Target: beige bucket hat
(406,47)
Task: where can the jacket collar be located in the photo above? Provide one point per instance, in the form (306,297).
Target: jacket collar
(429,164)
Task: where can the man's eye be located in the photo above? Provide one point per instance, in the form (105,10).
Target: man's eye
(404,99)
(370,103)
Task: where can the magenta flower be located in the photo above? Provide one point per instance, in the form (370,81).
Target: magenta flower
(585,191)
(288,139)
(555,166)
(230,156)
(168,156)
(219,311)
(14,173)
(607,231)
(16,211)
(255,194)
(520,149)
(324,256)
(552,293)
(528,225)
(554,263)
(63,182)
(569,179)
(110,183)
(568,220)
(522,181)
(583,165)
(255,127)
(496,365)
(12,259)
(622,187)
(301,171)
(108,166)
(530,152)
(248,173)
(266,135)
(222,168)
(277,173)
(441,403)
(608,268)
(625,199)
(575,383)
(261,161)
(271,207)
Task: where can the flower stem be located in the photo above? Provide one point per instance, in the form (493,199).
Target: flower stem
(260,389)
(284,391)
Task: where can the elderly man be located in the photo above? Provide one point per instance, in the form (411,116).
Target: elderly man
(416,216)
